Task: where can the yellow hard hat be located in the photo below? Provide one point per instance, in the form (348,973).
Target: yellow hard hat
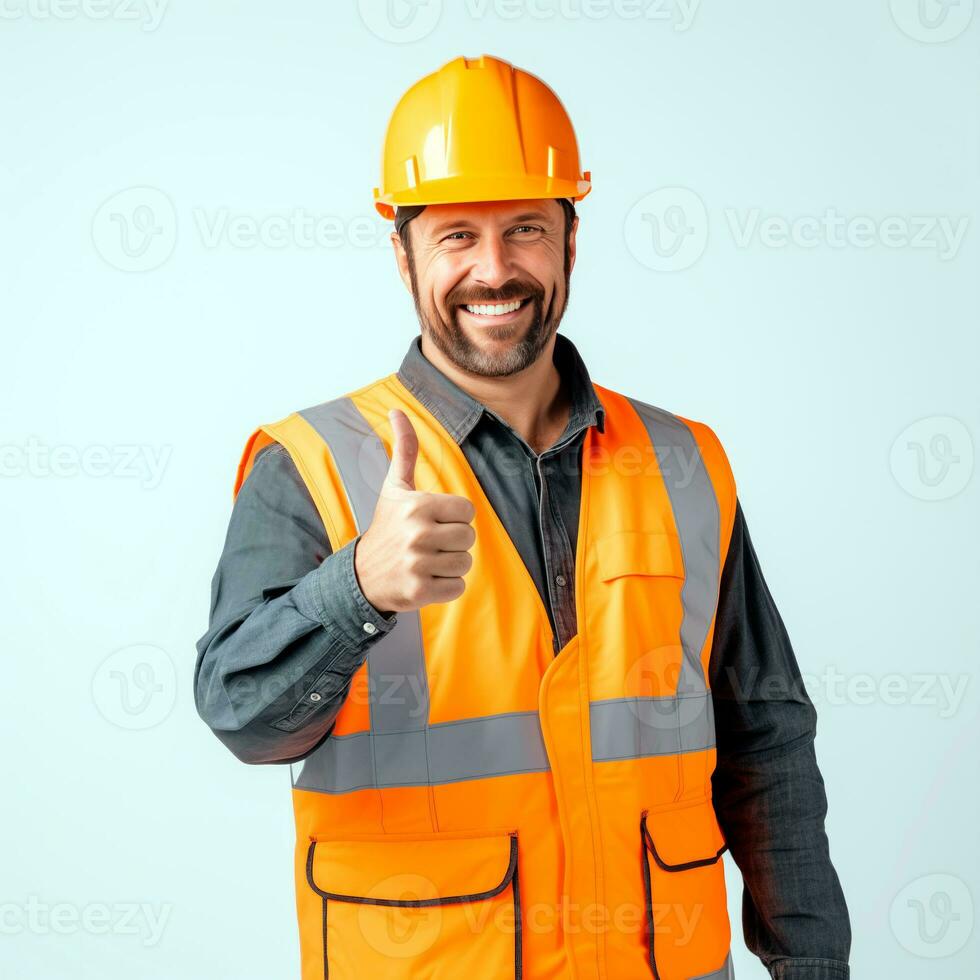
(478,129)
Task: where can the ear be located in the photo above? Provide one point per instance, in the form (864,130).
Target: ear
(571,244)
(401,259)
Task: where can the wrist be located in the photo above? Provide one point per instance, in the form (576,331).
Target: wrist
(376,602)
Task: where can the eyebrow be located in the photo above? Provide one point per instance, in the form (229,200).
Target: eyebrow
(466,223)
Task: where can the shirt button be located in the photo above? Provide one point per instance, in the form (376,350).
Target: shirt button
(370,628)
(559,580)
(316,697)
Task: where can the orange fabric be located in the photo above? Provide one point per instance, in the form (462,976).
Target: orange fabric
(466,881)
(581,853)
(258,440)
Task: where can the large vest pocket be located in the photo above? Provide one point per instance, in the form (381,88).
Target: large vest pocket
(687,928)
(403,906)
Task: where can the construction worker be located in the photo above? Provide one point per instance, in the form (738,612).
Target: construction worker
(507,626)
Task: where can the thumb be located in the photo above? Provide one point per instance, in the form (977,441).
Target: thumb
(404,451)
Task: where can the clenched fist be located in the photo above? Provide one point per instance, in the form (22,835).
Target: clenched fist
(416,550)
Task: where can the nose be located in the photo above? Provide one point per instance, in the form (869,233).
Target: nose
(492,265)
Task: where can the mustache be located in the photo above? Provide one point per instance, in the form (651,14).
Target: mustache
(506,294)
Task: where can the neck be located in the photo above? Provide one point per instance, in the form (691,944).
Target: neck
(533,402)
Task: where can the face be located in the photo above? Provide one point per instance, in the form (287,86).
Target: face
(510,256)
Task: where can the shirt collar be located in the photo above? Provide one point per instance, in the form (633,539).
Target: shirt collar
(459,412)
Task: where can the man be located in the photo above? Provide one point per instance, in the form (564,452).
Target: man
(509,624)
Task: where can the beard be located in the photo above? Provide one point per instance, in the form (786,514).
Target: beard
(455,344)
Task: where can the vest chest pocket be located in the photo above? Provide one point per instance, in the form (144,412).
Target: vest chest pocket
(687,928)
(639,553)
(404,906)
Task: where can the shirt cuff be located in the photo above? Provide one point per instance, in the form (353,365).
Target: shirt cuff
(341,604)
(810,968)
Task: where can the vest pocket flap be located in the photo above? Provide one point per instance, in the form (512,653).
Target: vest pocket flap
(684,838)
(394,869)
(639,553)
(687,929)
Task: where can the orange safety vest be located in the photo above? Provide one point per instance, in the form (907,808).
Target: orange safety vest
(484,808)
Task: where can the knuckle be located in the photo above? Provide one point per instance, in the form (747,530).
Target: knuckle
(415,591)
(419,502)
(416,562)
(416,530)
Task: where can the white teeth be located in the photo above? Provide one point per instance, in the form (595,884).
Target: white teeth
(495,310)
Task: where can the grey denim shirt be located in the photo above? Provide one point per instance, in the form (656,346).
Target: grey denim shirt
(289,628)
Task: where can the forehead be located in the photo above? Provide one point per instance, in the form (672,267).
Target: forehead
(437,217)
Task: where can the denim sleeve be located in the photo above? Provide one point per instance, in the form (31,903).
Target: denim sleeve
(289,625)
(768,791)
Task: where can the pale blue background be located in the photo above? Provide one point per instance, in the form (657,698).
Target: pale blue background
(809,362)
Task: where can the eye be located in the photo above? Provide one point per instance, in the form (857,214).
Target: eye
(529,227)
(454,234)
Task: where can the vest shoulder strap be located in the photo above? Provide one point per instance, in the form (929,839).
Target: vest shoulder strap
(719,469)
(337,454)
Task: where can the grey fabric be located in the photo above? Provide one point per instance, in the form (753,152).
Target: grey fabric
(287,621)
(476,748)
(725,972)
(627,728)
(809,968)
(357,451)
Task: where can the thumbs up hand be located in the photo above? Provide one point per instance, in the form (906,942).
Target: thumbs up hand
(417,547)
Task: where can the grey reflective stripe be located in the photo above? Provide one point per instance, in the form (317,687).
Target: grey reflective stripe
(630,728)
(495,745)
(474,748)
(695,507)
(505,744)
(393,753)
(358,452)
(725,972)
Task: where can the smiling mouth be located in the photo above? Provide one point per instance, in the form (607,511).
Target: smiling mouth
(493,311)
